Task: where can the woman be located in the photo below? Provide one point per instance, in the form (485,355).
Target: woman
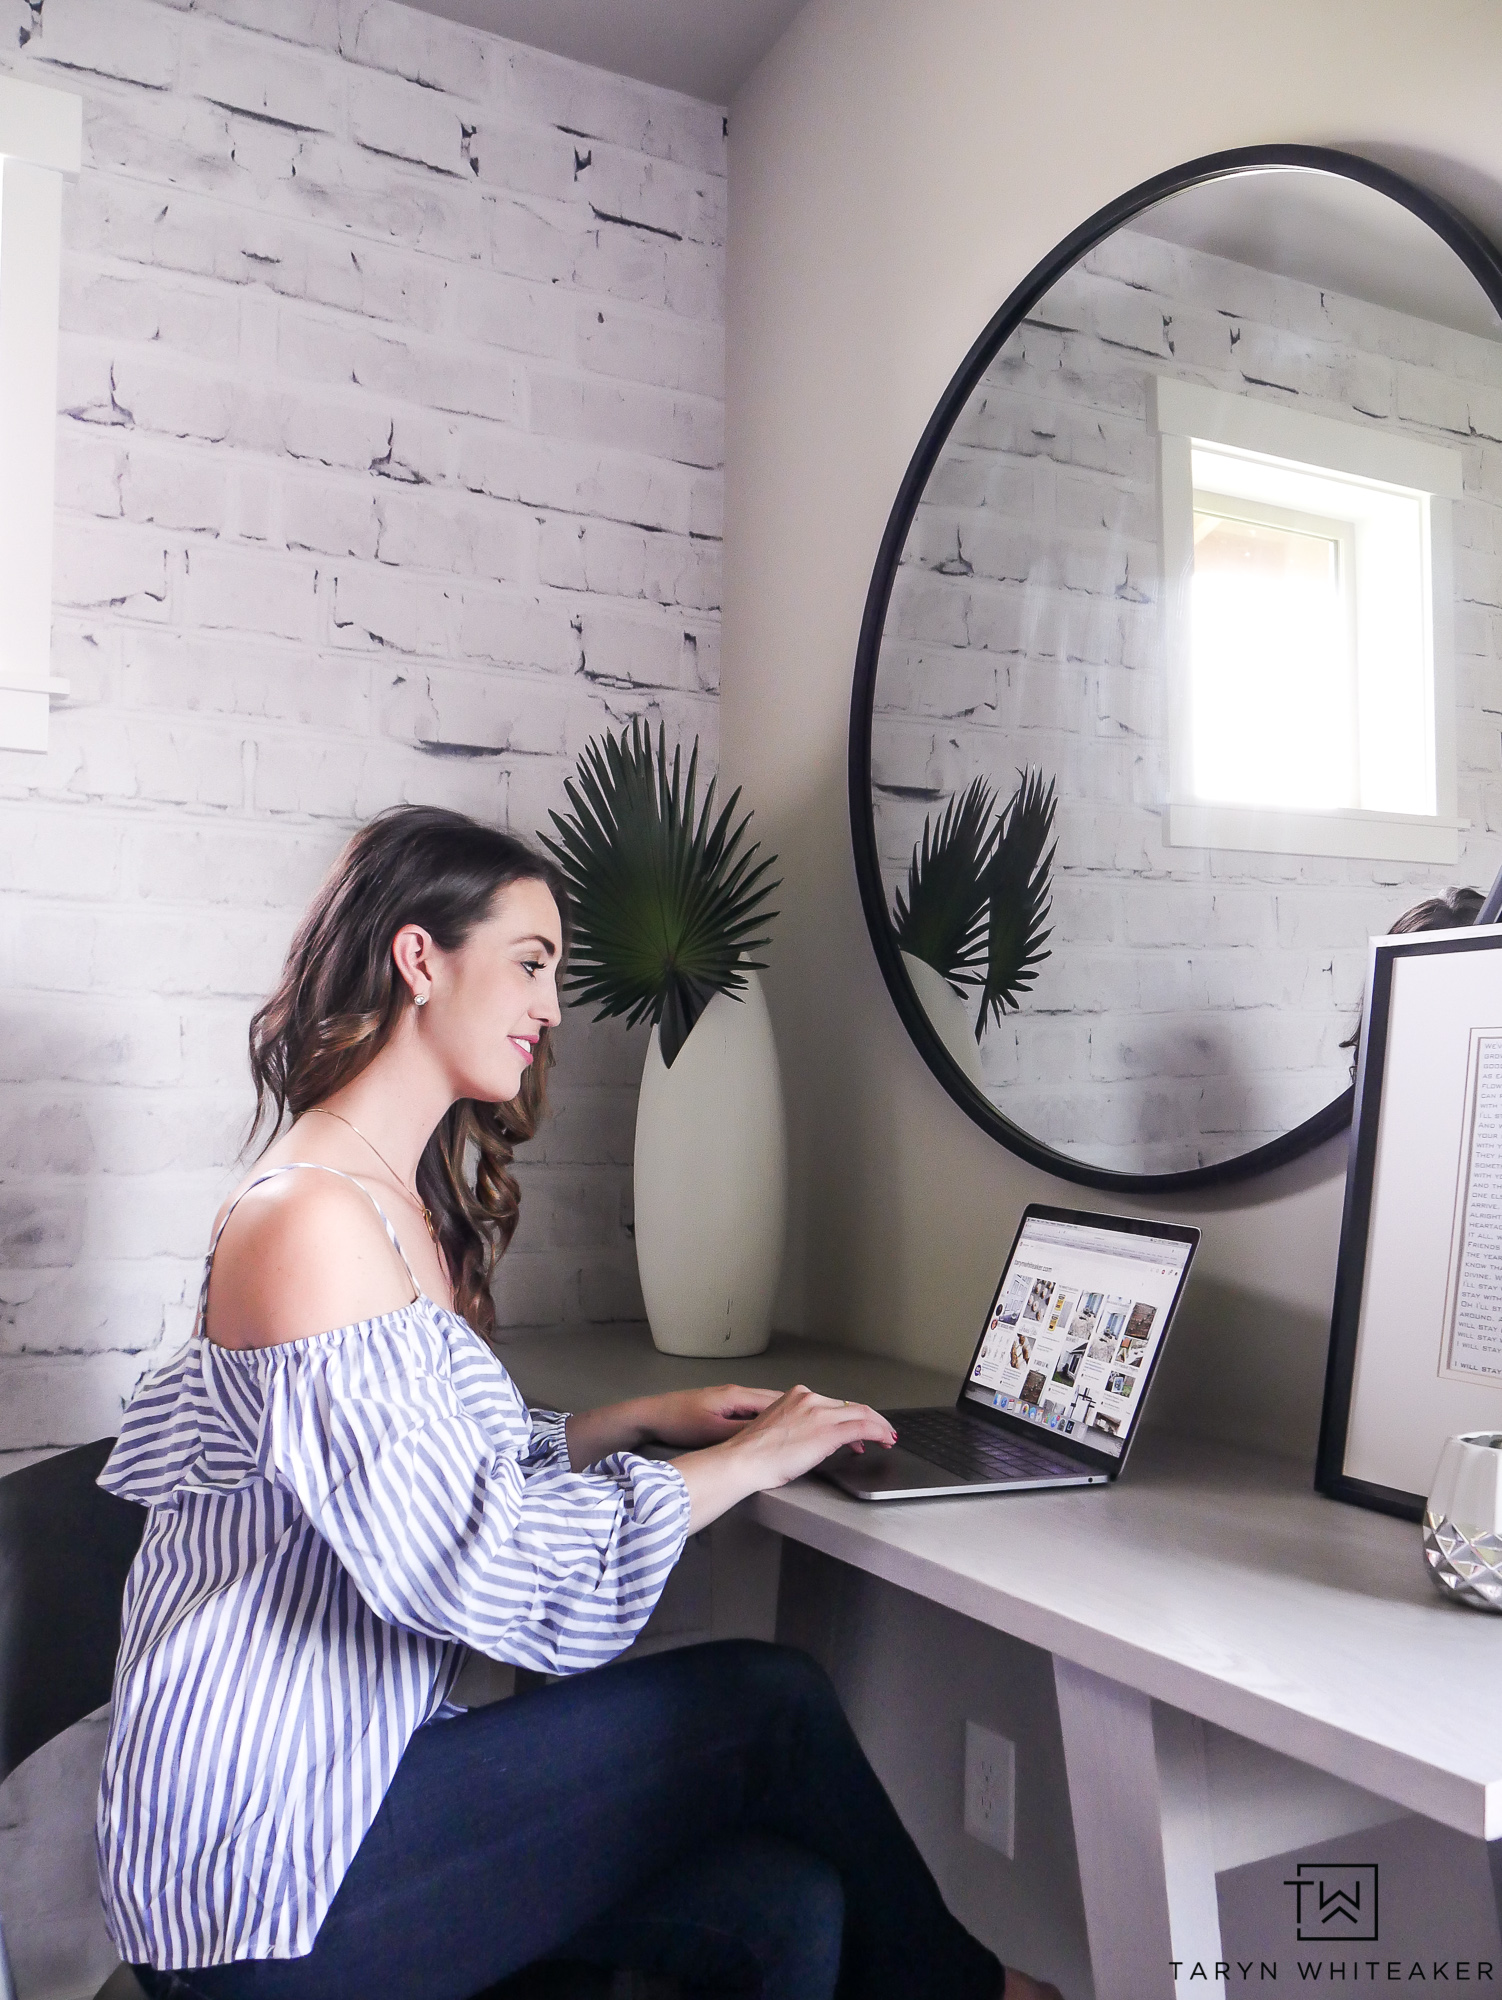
(346,1492)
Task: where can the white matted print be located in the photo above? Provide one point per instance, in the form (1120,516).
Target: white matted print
(1416,1347)
(1472,1343)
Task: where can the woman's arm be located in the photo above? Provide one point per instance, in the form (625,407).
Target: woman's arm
(752,1438)
(446,1533)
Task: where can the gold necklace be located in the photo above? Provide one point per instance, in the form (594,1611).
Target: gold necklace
(426,1212)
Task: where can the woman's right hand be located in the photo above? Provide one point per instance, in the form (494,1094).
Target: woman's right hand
(789,1438)
(801,1429)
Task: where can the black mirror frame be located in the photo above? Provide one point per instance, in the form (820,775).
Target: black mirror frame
(1484,263)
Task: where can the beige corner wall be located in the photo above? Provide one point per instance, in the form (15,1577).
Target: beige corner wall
(896,166)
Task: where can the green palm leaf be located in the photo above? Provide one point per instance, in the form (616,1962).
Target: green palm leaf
(1018,884)
(665,907)
(942,919)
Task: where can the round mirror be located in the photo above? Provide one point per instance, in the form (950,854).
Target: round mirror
(1181,669)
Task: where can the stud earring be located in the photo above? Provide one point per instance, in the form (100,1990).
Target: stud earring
(419,999)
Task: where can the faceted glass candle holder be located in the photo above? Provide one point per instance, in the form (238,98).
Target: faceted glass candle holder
(1463,1521)
(1464,1562)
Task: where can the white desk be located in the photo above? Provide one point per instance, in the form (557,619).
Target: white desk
(1206,1586)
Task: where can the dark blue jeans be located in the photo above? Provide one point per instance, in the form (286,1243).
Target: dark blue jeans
(706,1814)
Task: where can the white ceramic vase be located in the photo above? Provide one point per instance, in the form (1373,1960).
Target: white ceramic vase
(947,1014)
(711,1182)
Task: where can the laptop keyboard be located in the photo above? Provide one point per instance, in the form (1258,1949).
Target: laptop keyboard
(966,1448)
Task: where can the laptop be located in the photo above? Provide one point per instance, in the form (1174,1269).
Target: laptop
(1056,1387)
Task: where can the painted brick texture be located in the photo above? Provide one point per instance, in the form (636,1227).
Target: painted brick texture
(389,456)
(1195,1001)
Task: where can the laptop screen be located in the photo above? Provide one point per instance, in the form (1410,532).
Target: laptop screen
(1076,1324)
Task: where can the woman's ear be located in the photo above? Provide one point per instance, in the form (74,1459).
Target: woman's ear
(412,953)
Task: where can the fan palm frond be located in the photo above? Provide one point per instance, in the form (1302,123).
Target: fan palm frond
(1018,884)
(666,907)
(942,918)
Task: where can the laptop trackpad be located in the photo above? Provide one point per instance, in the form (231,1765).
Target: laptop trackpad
(877,1471)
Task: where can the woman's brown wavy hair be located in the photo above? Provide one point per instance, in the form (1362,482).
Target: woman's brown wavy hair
(340,996)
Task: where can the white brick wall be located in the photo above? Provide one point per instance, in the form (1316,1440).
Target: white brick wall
(1194,1002)
(389,468)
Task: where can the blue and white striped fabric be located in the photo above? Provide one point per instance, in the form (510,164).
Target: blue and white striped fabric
(333,1521)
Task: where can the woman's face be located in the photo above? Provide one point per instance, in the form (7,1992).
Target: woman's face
(491,999)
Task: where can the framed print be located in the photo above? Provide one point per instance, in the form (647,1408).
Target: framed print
(1416,1330)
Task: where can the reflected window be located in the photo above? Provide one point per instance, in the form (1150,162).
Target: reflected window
(1308,643)
(1273,688)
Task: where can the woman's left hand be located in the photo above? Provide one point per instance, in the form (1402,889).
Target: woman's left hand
(687,1417)
(704,1416)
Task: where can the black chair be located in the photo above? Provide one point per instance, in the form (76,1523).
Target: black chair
(65,1546)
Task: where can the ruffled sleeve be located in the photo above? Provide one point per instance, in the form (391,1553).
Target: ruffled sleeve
(447,1534)
(549,1440)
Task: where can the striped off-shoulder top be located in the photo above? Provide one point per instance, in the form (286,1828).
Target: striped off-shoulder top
(333,1521)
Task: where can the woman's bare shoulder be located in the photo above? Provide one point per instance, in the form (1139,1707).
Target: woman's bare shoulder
(300,1254)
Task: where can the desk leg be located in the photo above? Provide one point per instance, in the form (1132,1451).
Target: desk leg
(1140,1800)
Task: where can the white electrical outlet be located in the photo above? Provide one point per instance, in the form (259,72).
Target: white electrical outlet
(991,1788)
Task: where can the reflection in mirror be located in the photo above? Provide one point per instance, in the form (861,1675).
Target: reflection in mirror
(1212,557)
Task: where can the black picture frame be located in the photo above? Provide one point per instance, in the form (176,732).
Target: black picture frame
(1330,1475)
(1481,259)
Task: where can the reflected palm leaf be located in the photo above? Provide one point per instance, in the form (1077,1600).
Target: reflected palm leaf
(942,918)
(1018,884)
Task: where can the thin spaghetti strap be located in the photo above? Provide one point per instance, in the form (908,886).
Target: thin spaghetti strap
(287,1167)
